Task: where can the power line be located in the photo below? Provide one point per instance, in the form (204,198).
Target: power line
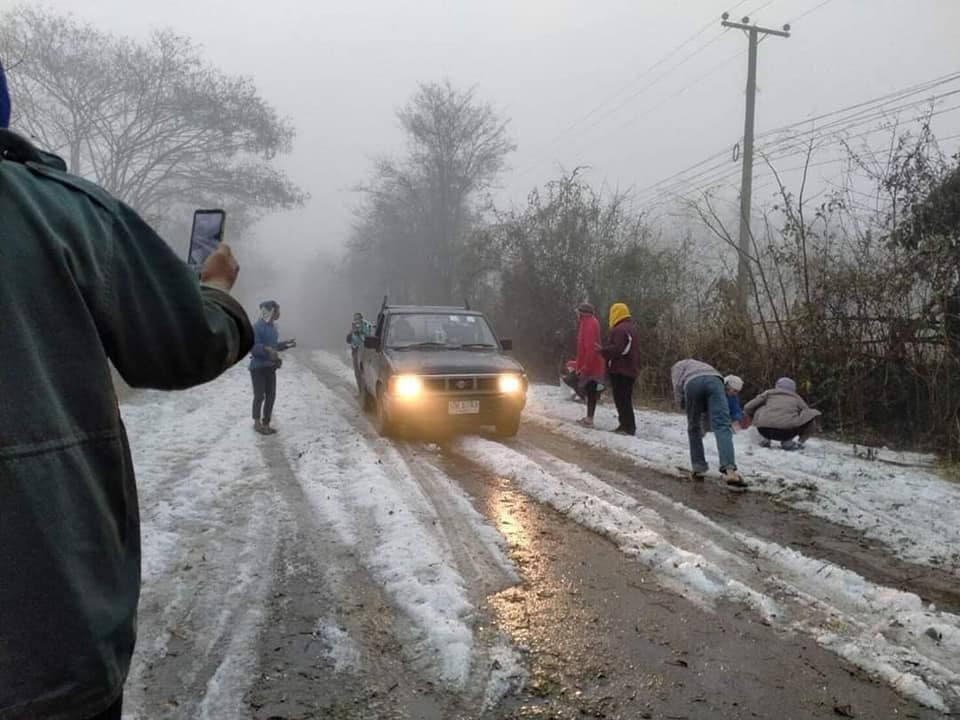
(868,111)
(611,98)
(717,180)
(808,12)
(895,95)
(769,172)
(683,61)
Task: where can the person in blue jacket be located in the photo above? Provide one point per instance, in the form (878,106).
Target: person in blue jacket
(264,363)
(359,330)
(732,385)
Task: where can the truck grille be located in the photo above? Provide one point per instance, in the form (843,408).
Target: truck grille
(456,384)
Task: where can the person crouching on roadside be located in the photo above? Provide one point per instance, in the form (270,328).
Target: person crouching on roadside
(622,353)
(589,365)
(780,414)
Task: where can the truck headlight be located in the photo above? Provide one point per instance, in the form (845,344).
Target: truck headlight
(510,384)
(407,386)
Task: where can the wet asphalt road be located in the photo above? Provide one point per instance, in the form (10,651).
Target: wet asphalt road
(599,636)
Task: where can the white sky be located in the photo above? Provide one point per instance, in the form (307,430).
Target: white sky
(339,70)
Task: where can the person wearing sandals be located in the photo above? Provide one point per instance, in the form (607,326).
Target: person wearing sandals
(780,415)
(699,388)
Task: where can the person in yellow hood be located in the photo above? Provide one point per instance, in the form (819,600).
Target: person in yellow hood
(622,353)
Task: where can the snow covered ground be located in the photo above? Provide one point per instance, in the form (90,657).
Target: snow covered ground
(210,517)
(905,505)
(209,533)
(889,633)
(213,513)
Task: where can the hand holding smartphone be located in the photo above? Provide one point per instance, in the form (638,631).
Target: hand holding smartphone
(205,236)
(220,269)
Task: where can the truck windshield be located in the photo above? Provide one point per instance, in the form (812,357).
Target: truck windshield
(447,330)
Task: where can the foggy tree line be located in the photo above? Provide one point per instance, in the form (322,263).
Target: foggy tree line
(151,121)
(858,300)
(855,293)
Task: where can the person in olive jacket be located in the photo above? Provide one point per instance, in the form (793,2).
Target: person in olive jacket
(622,353)
(83,282)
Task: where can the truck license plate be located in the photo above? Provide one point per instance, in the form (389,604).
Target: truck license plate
(464,407)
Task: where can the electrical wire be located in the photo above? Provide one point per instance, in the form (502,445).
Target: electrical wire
(613,97)
(868,111)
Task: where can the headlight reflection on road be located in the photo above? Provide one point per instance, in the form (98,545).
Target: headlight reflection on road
(510,523)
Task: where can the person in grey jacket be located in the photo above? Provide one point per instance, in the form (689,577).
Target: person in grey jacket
(699,388)
(781,414)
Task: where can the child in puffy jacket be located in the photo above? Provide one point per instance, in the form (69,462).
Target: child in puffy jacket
(780,414)
(732,385)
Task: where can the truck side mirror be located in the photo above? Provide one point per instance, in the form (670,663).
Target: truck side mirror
(371,342)
(506,343)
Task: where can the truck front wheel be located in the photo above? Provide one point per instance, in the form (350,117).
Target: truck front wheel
(367,401)
(385,424)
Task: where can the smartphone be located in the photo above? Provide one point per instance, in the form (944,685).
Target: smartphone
(205,235)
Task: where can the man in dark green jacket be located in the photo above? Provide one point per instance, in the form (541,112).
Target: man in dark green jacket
(83,280)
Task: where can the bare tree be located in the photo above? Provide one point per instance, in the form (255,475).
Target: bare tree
(150,121)
(420,211)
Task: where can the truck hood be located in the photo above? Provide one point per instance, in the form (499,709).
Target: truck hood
(451,362)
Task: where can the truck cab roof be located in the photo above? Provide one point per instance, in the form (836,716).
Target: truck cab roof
(427,309)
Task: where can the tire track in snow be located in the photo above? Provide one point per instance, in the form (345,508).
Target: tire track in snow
(910,511)
(334,639)
(881,630)
(209,539)
(415,509)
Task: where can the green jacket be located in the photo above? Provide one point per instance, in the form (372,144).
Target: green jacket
(83,280)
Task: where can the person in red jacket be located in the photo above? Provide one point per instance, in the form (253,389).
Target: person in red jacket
(589,365)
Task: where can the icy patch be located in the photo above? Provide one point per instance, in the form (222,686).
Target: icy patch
(687,573)
(507,674)
(338,647)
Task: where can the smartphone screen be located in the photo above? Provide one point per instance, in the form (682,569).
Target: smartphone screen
(206,234)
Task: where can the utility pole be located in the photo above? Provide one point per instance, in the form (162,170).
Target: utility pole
(746,180)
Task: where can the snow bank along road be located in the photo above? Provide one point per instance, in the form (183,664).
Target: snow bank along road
(327,572)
